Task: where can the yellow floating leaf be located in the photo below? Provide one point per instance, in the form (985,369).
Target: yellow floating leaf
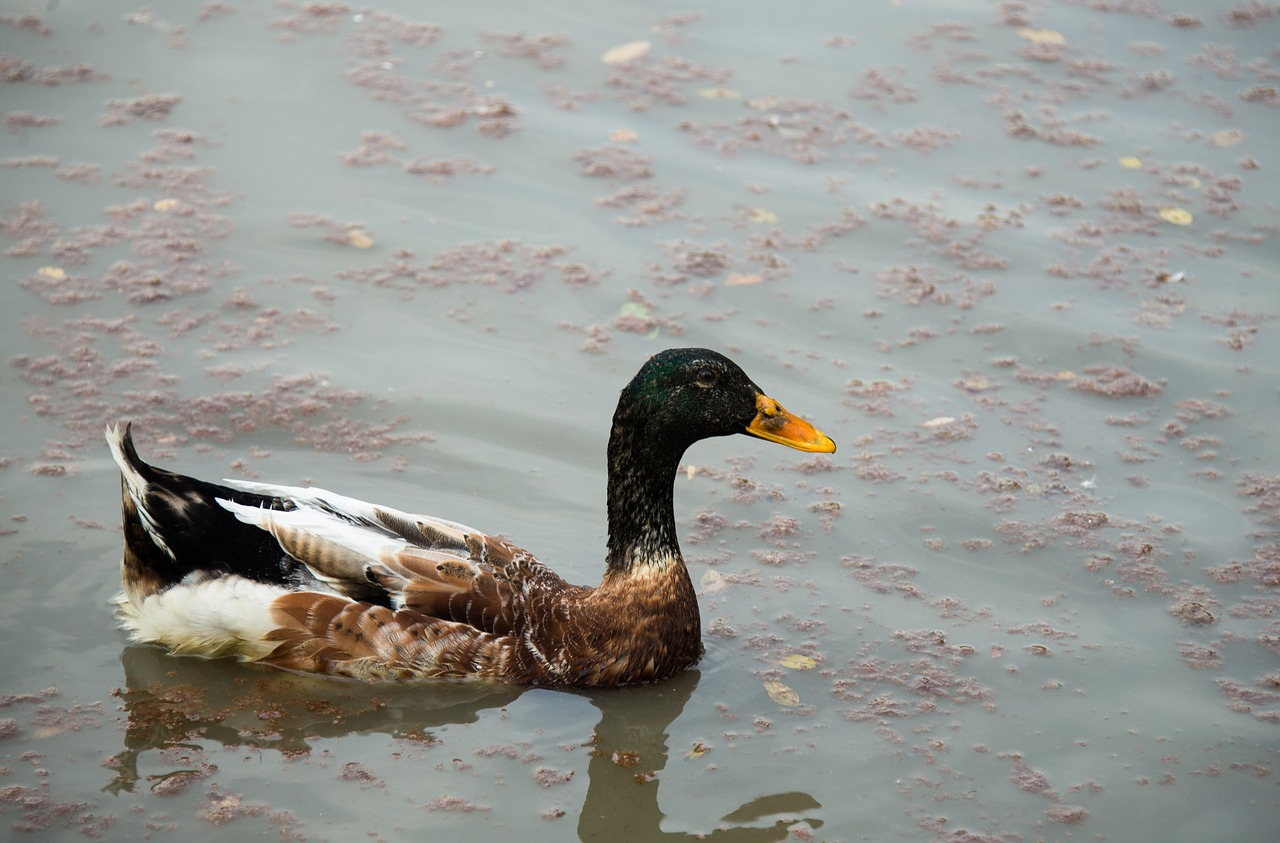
(765,103)
(781,693)
(737,279)
(1042,36)
(698,750)
(622,136)
(796,661)
(359,238)
(760,215)
(1066,375)
(53,273)
(1227,137)
(976,383)
(165,204)
(1177,216)
(719,94)
(624,53)
(1131,162)
(940,421)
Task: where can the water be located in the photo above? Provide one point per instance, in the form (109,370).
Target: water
(1032,597)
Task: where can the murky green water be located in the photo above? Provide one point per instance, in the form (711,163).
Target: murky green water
(1019,261)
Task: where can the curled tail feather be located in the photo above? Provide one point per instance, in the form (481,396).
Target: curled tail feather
(148,565)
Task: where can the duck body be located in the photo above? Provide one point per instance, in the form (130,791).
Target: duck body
(309,580)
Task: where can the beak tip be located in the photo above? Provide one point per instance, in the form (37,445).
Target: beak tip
(822,444)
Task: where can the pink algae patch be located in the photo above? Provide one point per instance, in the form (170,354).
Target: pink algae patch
(1115,382)
(1066,814)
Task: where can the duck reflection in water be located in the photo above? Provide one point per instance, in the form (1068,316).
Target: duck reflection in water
(175,708)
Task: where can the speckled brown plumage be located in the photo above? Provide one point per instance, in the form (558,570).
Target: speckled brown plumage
(309,580)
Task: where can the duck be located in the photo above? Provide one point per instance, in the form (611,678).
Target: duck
(308,580)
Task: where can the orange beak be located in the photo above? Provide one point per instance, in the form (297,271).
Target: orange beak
(777,425)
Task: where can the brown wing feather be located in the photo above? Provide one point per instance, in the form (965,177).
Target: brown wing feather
(489,590)
(328,633)
(434,567)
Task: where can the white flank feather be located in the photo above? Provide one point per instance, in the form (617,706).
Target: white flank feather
(227,615)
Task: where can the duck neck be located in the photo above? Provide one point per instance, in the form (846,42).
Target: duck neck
(642,523)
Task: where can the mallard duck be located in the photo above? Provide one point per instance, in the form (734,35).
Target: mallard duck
(308,580)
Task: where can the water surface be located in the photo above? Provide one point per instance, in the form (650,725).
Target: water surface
(1018,260)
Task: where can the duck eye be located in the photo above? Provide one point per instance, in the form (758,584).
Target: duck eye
(706,377)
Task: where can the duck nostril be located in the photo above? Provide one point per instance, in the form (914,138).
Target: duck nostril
(767,407)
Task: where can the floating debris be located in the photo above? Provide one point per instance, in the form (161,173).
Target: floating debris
(781,693)
(1227,137)
(712,582)
(797,661)
(698,750)
(627,52)
(1042,36)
